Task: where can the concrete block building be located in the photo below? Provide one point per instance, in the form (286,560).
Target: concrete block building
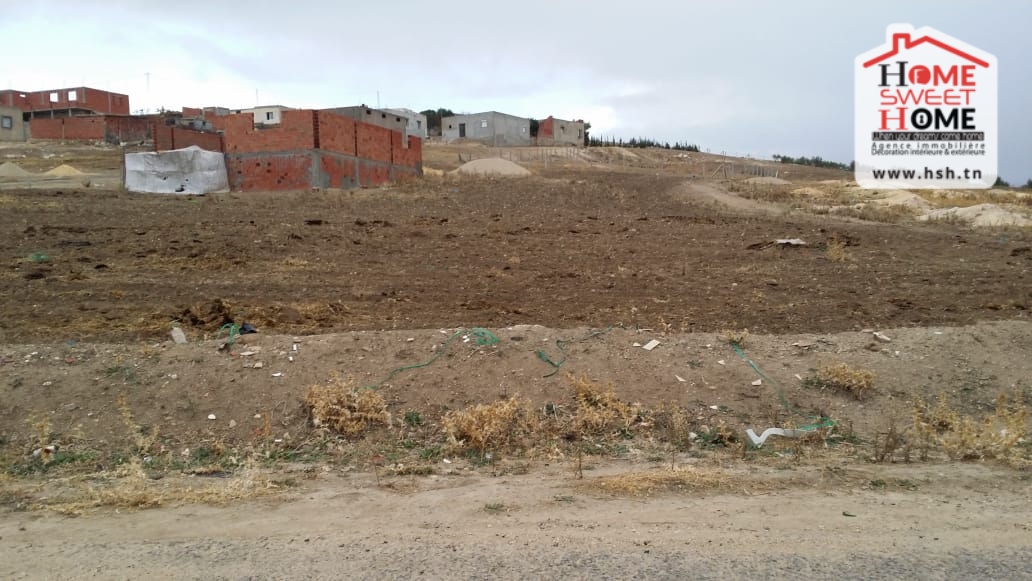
(379,117)
(490,128)
(12,125)
(416,121)
(554,131)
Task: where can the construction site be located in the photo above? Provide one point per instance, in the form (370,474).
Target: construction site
(366,327)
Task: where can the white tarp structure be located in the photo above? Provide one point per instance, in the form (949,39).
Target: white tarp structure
(180,171)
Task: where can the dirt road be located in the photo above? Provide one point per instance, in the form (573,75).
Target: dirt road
(923,522)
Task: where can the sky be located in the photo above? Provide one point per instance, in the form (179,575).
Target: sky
(743,77)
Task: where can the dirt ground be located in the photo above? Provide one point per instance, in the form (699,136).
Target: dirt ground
(572,271)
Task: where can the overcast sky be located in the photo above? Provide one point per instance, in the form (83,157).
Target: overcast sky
(745,77)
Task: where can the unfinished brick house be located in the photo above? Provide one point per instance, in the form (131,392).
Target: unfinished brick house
(79,113)
(554,131)
(303,149)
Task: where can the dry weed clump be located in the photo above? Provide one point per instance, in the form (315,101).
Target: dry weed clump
(993,436)
(665,480)
(599,412)
(346,410)
(501,425)
(130,487)
(736,336)
(836,251)
(842,377)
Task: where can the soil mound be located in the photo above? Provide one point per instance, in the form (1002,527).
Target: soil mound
(64,170)
(980,215)
(12,170)
(493,166)
(902,198)
(767,180)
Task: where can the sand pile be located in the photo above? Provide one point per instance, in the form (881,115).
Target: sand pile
(64,170)
(902,198)
(980,215)
(12,170)
(429,171)
(495,166)
(768,181)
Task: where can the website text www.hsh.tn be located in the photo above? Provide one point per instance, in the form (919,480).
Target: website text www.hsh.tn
(927,174)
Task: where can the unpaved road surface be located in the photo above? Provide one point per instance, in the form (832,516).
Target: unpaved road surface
(929,522)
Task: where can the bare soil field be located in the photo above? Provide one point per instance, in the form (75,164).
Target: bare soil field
(566,362)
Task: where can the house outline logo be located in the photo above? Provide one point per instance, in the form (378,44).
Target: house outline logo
(925,113)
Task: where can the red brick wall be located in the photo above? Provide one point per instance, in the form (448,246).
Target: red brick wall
(374,142)
(336,133)
(296,131)
(269,172)
(14,99)
(71,128)
(162,136)
(307,149)
(169,137)
(192,112)
(373,174)
(546,128)
(340,172)
(411,156)
(127,129)
(85,98)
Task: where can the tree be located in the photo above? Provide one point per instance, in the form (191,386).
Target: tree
(1028,184)
(433,119)
(1002,183)
(587,140)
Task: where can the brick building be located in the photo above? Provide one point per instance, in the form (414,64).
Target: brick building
(79,113)
(304,149)
(71,102)
(554,131)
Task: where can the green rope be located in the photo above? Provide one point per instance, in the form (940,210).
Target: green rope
(822,421)
(561,345)
(482,337)
(234,331)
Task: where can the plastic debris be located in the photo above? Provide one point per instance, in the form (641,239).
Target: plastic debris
(650,345)
(681,379)
(759,440)
(278,374)
(721,362)
(212,417)
(881,337)
(758,382)
(178,336)
(247,328)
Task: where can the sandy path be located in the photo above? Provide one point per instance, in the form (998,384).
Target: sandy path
(976,525)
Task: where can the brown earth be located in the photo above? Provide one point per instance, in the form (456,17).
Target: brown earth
(389,288)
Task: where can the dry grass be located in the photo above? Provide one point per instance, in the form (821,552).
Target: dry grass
(736,336)
(130,487)
(665,480)
(346,410)
(836,251)
(502,425)
(599,412)
(998,435)
(842,377)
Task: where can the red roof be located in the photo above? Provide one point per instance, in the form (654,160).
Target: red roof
(904,38)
